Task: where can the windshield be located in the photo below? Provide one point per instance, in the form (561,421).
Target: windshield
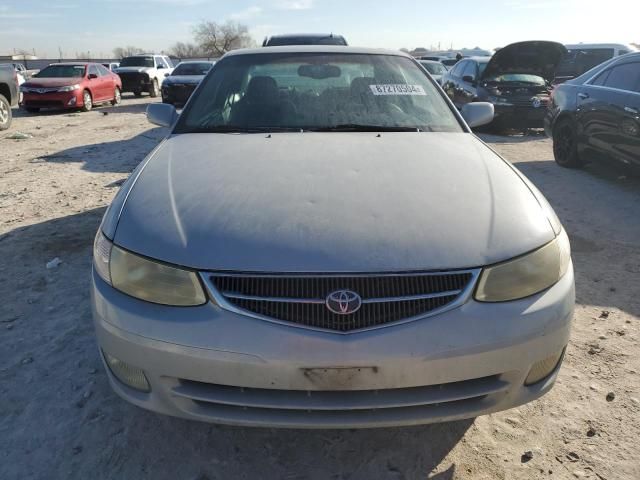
(517,78)
(137,62)
(62,71)
(192,69)
(434,68)
(317,91)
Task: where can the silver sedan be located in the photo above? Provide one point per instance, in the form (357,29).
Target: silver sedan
(321,241)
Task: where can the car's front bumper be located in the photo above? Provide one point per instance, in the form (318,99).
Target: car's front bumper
(57,100)
(209,364)
(177,93)
(514,116)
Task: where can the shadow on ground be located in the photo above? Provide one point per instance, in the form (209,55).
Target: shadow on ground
(95,431)
(117,156)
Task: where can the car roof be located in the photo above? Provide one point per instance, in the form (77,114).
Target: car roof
(316,49)
(197,61)
(600,45)
(72,63)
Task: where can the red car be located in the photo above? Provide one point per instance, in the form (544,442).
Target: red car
(71,85)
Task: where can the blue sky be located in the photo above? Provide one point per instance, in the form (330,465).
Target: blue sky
(101,25)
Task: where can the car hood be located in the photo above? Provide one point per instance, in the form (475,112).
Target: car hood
(330,202)
(52,82)
(534,57)
(132,69)
(188,79)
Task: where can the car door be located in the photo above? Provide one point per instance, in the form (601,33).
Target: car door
(468,83)
(95,84)
(608,114)
(455,85)
(449,83)
(108,82)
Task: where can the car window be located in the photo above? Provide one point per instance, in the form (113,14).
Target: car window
(434,68)
(624,77)
(578,61)
(103,71)
(457,70)
(192,68)
(137,62)
(306,91)
(93,70)
(470,70)
(600,79)
(62,71)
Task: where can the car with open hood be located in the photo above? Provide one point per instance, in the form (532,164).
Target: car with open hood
(71,86)
(185,78)
(517,80)
(321,241)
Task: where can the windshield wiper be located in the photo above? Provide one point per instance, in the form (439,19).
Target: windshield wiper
(355,127)
(239,129)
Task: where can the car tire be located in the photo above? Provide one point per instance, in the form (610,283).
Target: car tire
(565,144)
(117,97)
(153,89)
(5,113)
(87,101)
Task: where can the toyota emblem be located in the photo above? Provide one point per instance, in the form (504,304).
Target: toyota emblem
(343,302)
(536,102)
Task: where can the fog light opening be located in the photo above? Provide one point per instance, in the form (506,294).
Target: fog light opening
(72,101)
(542,369)
(131,376)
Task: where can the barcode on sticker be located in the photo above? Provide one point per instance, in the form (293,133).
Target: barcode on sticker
(397,89)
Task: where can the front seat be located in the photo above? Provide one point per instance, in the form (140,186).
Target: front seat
(260,105)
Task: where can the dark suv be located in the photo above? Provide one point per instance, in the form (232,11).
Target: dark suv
(516,80)
(597,115)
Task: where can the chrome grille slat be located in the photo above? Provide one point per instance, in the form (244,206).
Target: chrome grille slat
(299,299)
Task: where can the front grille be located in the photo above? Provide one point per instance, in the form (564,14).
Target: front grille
(337,408)
(43,104)
(131,80)
(179,93)
(302,299)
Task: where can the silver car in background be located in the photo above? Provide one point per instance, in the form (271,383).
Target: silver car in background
(322,242)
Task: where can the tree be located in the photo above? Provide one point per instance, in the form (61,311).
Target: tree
(215,40)
(186,50)
(121,52)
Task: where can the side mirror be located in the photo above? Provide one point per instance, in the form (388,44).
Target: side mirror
(159,67)
(468,79)
(92,76)
(167,74)
(162,114)
(477,113)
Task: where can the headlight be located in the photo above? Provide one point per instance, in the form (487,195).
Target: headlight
(69,88)
(145,279)
(526,275)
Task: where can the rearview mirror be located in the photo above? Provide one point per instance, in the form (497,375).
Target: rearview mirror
(319,71)
(477,113)
(167,74)
(162,114)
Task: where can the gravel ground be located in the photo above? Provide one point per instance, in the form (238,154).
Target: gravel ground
(59,418)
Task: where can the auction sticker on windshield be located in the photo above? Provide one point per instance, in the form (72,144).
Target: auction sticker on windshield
(397,89)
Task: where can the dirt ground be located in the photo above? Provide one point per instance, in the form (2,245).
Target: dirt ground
(59,418)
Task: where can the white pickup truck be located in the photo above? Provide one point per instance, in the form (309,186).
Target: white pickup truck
(144,73)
